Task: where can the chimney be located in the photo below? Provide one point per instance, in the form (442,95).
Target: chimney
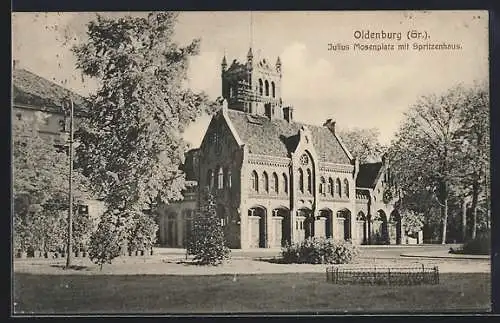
(16,64)
(288,114)
(330,124)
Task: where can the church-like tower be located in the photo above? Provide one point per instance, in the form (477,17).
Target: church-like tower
(254,86)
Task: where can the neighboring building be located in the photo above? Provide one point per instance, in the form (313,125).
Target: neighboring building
(32,95)
(277,180)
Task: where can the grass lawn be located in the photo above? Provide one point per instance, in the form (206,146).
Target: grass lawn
(304,292)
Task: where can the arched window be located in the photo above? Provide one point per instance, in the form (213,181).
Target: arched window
(285,183)
(210,179)
(265,182)
(301,180)
(261,87)
(273,89)
(266,84)
(322,186)
(231,91)
(255,181)
(275,183)
(309,181)
(337,187)
(220,179)
(330,186)
(346,188)
(229,178)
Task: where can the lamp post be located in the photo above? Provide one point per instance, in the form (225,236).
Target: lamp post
(70,191)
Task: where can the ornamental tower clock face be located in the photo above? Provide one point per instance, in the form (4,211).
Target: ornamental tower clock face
(304,159)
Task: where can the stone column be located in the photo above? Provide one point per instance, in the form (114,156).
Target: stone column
(339,233)
(319,227)
(244,228)
(277,223)
(253,231)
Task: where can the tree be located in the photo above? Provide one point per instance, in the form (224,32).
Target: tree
(131,143)
(105,241)
(363,143)
(474,143)
(142,232)
(424,155)
(412,221)
(40,185)
(206,241)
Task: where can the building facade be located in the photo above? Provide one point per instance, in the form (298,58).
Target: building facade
(277,180)
(35,97)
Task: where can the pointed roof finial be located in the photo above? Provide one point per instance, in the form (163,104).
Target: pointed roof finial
(278,62)
(250,53)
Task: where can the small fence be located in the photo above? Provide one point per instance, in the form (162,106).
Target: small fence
(416,275)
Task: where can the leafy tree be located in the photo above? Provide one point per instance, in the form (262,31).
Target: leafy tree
(131,142)
(412,221)
(142,232)
(423,155)
(363,143)
(474,143)
(106,240)
(40,185)
(206,241)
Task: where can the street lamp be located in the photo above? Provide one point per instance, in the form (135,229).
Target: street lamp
(70,190)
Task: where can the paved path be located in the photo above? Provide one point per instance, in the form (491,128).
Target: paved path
(169,261)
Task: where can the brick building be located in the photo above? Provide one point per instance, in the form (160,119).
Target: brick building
(276,179)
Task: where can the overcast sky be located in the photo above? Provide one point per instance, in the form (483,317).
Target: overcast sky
(357,89)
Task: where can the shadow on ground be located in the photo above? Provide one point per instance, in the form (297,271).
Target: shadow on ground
(73,267)
(272,260)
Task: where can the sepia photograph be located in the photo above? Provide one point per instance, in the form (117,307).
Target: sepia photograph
(250,163)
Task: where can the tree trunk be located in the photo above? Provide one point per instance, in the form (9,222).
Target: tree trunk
(464,221)
(445,219)
(475,196)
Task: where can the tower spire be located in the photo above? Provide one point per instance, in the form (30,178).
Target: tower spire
(224,62)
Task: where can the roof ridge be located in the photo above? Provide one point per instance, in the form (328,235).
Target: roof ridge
(22,69)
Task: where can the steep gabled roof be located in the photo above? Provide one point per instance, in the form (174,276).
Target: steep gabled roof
(368,174)
(34,90)
(279,137)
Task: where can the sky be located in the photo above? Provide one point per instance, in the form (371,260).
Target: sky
(357,88)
